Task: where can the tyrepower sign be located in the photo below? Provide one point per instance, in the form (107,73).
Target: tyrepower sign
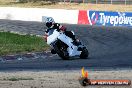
(110,18)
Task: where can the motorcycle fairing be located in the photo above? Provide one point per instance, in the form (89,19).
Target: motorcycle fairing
(72,49)
(52,37)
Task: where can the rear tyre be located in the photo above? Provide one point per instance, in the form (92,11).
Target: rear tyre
(61,50)
(84,54)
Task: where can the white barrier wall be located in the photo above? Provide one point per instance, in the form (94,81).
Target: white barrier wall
(35,14)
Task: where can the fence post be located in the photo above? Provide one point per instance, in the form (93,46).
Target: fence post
(111,1)
(96,1)
(83,1)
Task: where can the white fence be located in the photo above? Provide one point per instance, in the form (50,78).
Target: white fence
(35,14)
(126,2)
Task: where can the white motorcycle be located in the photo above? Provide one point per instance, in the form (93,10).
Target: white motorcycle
(64,47)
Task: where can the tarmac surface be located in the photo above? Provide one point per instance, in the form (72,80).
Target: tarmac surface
(109,47)
(110,57)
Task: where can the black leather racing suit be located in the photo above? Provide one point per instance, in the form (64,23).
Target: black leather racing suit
(59,27)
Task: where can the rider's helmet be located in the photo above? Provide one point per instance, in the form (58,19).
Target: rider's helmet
(49,22)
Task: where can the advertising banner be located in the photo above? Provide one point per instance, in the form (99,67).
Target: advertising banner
(106,18)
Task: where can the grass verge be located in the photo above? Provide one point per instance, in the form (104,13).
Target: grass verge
(80,6)
(11,43)
(16,79)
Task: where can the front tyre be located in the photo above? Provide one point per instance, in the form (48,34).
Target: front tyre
(84,54)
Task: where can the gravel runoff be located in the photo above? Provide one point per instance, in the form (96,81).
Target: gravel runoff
(60,79)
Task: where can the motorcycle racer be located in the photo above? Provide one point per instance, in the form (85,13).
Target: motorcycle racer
(51,25)
(63,42)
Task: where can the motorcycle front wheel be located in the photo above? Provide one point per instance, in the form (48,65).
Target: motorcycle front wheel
(61,50)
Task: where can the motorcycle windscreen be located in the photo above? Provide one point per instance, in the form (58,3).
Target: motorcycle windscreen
(52,37)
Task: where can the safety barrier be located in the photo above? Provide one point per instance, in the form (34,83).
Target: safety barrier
(105,18)
(36,14)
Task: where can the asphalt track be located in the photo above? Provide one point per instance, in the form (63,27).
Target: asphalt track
(109,47)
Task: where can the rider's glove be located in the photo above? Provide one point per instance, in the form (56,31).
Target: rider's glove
(62,28)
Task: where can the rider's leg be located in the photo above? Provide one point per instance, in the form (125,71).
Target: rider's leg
(72,36)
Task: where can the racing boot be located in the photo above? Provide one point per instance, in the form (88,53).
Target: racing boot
(76,42)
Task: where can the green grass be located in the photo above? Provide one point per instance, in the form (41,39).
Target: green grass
(14,43)
(16,79)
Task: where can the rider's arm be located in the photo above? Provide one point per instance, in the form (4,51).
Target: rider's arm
(59,27)
(56,26)
(47,30)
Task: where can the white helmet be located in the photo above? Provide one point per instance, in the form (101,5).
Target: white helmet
(50,19)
